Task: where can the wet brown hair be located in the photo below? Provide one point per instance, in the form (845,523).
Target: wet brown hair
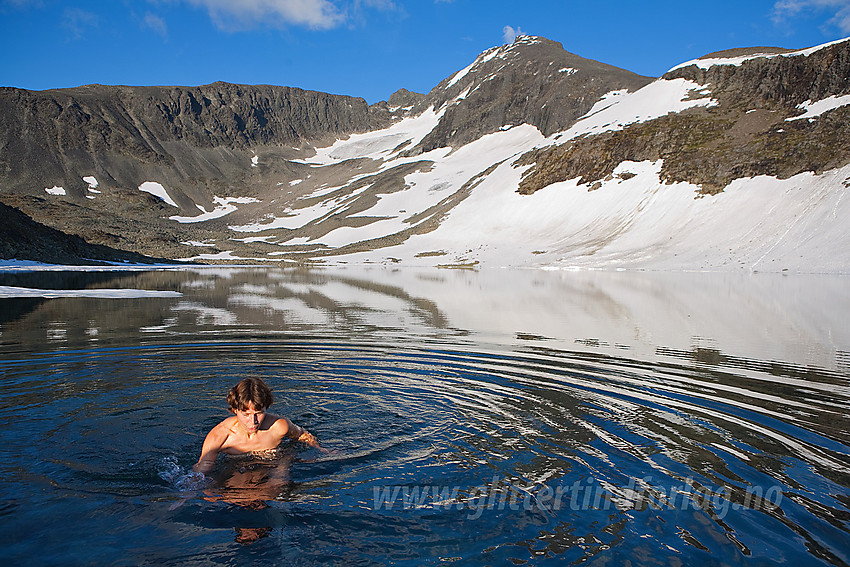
(250,391)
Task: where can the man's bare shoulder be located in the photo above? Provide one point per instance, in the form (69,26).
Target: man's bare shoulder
(224,428)
(279,424)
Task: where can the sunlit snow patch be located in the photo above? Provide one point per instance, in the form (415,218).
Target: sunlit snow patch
(55,190)
(157,190)
(255,160)
(227,255)
(616,110)
(815,109)
(378,144)
(738,61)
(252,239)
(427,189)
(20,292)
(225,206)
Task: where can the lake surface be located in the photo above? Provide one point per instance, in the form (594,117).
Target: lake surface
(484,418)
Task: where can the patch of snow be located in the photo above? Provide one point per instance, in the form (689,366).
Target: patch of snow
(295,182)
(427,189)
(224,206)
(55,190)
(198,243)
(460,74)
(815,109)
(157,190)
(21,292)
(300,241)
(568,70)
(294,217)
(378,144)
(250,239)
(92,182)
(608,99)
(228,256)
(463,95)
(255,160)
(737,61)
(618,109)
(480,60)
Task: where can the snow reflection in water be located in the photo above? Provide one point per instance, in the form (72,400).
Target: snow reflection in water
(486,417)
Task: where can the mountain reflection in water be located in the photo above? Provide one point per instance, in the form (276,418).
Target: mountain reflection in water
(487,417)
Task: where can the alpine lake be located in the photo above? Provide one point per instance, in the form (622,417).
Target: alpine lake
(490,417)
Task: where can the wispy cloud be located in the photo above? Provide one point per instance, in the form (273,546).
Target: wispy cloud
(78,22)
(510,34)
(233,15)
(784,10)
(155,23)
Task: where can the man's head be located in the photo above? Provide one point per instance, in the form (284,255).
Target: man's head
(250,393)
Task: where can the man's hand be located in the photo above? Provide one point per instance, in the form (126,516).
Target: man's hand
(310,439)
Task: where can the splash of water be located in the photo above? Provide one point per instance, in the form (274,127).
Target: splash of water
(180,478)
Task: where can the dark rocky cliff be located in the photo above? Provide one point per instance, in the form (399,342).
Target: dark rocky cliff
(185,134)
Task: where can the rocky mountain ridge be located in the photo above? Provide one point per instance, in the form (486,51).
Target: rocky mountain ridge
(55,137)
(747,133)
(270,174)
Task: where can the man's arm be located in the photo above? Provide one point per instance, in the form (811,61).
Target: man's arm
(209,452)
(298,433)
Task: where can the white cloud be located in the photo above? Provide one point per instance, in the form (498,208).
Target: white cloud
(510,34)
(231,14)
(783,10)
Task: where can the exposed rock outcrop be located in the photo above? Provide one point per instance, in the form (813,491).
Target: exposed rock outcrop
(744,135)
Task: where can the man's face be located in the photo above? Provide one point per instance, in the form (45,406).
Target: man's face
(251,417)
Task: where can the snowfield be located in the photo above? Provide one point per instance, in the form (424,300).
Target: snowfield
(157,190)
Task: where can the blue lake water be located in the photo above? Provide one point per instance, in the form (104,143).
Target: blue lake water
(484,418)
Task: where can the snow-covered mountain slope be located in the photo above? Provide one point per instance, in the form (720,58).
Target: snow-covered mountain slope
(534,157)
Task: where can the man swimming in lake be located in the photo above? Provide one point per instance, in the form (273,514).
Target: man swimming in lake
(251,429)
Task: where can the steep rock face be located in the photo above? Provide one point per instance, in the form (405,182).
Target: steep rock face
(404,98)
(745,134)
(55,137)
(532,81)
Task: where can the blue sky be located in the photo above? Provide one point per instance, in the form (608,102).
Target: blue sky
(371,48)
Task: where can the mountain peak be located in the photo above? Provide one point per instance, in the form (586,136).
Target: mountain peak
(532,80)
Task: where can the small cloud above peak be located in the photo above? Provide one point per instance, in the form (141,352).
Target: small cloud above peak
(510,34)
